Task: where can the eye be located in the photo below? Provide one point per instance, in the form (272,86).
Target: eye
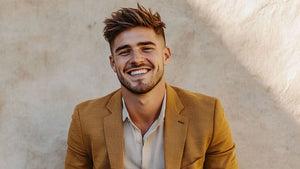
(124,52)
(147,49)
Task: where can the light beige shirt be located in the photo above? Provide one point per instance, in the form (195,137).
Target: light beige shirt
(144,152)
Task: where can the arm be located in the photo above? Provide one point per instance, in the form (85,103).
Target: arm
(77,156)
(220,153)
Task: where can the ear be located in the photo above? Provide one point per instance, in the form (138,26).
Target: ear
(112,63)
(167,55)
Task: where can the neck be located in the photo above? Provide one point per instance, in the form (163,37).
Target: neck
(144,109)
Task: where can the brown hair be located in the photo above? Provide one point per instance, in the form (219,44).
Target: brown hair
(126,18)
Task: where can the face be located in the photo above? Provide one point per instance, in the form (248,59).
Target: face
(138,58)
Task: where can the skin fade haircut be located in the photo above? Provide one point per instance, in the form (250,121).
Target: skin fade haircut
(126,18)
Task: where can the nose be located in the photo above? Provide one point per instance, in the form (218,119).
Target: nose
(137,57)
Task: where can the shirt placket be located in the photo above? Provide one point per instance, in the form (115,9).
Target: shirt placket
(146,147)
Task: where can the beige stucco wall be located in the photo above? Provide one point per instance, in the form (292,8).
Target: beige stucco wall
(247,53)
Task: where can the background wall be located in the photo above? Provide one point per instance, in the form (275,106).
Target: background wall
(247,53)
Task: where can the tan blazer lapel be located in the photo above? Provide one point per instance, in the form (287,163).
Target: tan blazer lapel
(113,129)
(175,130)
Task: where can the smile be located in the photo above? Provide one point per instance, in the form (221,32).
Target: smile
(138,72)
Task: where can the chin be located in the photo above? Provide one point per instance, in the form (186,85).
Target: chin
(139,89)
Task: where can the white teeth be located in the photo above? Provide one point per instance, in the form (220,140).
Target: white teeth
(137,72)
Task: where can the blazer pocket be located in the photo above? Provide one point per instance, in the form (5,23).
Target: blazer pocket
(197,164)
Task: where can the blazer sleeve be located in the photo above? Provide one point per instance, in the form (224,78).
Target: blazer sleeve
(220,153)
(77,156)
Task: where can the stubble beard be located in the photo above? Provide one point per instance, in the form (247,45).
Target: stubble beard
(141,88)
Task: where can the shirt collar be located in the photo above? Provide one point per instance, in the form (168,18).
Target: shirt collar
(161,116)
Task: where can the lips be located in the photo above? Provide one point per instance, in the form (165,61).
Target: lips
(138,72)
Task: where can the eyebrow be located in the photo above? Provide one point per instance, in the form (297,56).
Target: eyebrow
(146,43)
(139,44)
(121,47)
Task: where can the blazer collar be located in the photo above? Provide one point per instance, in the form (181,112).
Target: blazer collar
(174,136)
(175,130)
(113,130)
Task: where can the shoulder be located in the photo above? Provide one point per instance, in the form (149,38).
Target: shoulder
(203,112)
(197,106)
(91,113)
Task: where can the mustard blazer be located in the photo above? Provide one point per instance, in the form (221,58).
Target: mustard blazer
(197,134)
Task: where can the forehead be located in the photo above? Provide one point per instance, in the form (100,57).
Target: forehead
(135,35)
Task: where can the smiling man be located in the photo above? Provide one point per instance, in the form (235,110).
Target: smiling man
(147,124)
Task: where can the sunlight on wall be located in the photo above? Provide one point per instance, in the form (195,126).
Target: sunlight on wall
(264,36)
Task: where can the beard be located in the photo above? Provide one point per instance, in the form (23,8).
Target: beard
(141,87)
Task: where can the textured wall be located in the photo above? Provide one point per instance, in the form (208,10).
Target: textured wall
(247,53)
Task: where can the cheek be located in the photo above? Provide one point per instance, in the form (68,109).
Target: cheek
(120,65)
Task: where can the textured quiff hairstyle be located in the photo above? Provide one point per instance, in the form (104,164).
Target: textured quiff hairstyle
(127,18)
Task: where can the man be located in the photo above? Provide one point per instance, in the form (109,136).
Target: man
(147,124)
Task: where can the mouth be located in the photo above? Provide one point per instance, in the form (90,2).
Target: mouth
(136,72)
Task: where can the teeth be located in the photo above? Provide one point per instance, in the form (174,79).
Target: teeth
(137,72)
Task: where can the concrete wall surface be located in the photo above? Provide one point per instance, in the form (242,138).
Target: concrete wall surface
(247,53)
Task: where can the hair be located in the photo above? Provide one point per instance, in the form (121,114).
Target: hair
(127,18)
